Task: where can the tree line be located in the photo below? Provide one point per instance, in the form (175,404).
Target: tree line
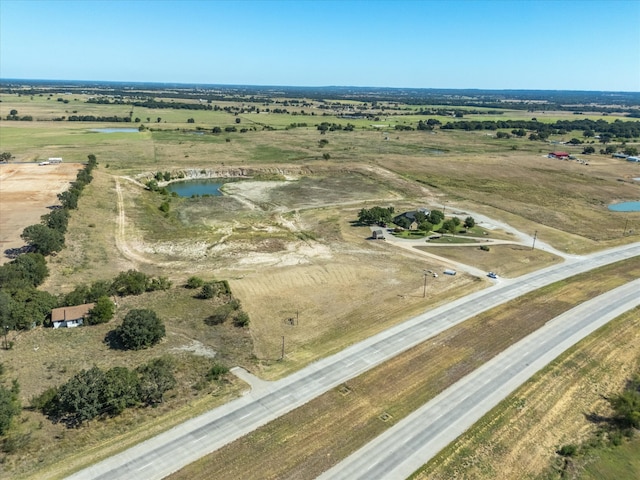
(150,103)
(618,128)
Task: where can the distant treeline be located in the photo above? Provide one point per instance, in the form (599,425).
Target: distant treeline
(93,118)
(618,128)
(152,104)
(532,100)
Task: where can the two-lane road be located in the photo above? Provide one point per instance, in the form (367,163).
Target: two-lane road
(185,443)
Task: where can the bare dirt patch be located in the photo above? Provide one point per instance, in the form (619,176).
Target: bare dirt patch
(26,192)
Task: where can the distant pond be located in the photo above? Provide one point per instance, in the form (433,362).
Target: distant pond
(115,130)
(625,207)
(190,188)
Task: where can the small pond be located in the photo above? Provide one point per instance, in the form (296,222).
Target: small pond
(190,188)
(115,130)
(625,207)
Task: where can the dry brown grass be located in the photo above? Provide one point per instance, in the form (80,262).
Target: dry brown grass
(504,259)
(519,438)
(46,357)
(314,437)
(296,251)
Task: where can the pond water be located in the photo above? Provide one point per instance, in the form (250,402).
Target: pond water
(190,188)
(625,207)
(115,130)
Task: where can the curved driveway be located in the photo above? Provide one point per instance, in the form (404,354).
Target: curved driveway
(185,443)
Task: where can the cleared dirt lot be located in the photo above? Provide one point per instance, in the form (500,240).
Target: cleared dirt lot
(26,190)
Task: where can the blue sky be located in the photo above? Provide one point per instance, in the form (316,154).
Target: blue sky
(549,45)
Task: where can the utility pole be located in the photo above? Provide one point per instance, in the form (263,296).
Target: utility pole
(535,235)
(424,290)
(282,355)
(624,232)
(6,344)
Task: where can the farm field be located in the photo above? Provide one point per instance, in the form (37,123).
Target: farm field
(284,235)
(27,191)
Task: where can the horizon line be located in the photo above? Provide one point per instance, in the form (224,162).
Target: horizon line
(320,87)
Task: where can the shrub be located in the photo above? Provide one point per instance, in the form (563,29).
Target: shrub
(241,320)
(194,282)
(140,329)
(216,372)
(219,315)
(567,450)
(209,290)
(102,312)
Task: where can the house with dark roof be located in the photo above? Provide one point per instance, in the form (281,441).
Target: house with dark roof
(69,317)
(408,219)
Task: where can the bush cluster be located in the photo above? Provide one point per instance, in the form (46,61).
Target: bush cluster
(96,393)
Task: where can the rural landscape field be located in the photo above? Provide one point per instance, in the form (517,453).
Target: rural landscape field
(280,261)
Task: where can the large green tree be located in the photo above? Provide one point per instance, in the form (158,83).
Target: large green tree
(27,270)
(57,219)
(43,239)
(156,377)
(120,390)
(80,399)
(102,311)
(141,328)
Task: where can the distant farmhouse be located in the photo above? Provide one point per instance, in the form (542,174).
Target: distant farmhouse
(70,317)
(559,155)
(408,219)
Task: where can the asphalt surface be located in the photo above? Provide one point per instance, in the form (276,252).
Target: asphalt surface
(408,445)
(186,443)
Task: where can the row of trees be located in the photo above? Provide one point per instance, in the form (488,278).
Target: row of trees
(617,129)
(151,103)
(13,115)
(131,282)
(426,221)
(97,393)
(375,215)
(93,118)
(23,306)
(48,236)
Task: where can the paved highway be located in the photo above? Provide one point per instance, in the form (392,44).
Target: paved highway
(404,448)
(172,450)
